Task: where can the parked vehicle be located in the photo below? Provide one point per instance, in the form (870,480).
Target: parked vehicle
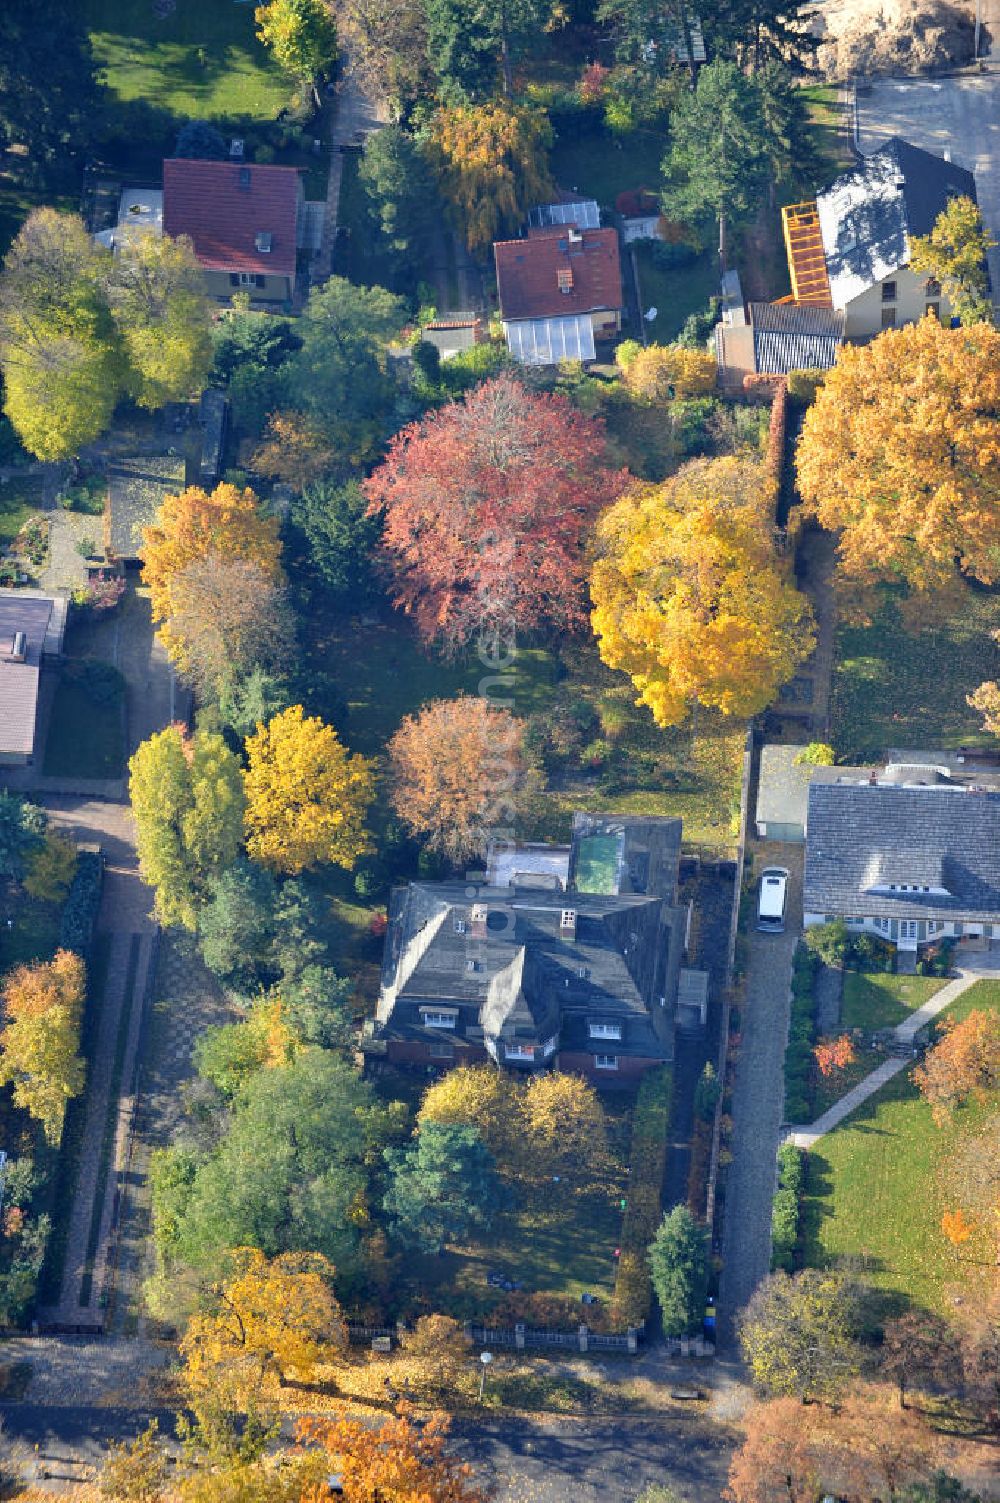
(771,900)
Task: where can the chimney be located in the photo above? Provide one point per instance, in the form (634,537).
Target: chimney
(477,921)
(567,924)
(18,648)
(564,277)
(872,778)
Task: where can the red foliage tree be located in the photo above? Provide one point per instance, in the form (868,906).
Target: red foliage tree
(834,1054)
(486,504)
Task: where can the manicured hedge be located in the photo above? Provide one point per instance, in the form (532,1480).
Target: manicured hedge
(633,1296)
(786,1211)
(82,903)
(801,1038)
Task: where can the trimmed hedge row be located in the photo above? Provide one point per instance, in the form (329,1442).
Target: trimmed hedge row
(801,1038)
(633,1296)
(83,900)
(786,1211)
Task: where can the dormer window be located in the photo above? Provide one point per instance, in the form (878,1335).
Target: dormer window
(605,1031)
(519,1051)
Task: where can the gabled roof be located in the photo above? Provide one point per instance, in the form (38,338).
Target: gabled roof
(868,215)
(225,206)
(19,681)
(529,281)
(863,833)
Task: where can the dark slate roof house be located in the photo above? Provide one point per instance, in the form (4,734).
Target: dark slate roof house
(532,976)
(31,628)
(909,852)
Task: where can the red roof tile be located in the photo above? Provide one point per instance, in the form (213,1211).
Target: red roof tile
(224,206)
(528,278)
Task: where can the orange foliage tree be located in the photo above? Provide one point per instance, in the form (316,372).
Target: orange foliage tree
(39,1044)
(398,1462)
(965,1062)
(900,455)
(294,450)
(834,1054)
(194,524)
(492,164)
(486,506)
(460,775)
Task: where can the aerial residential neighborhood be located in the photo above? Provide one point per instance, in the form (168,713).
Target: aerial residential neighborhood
(499,751)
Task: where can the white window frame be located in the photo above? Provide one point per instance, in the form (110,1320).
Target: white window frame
(519,1051)
(908,929)
(612,1032)
(247,278)
(605,1061)
(433,1019)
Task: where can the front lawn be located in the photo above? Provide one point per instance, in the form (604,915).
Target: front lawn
(881,1001)
(202,61)
(886,691)
(86,735)
(879,1184)
(29,928)
(602,165)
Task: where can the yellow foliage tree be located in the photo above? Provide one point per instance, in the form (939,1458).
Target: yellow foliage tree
(900,454)
(164,318)
(293,450)
(565,1129)
(272,1319)
(435,1356)
(194,524)
(492,161)
(477,1096)
(307,797)
(690,598)
(39,1043)
(954,253)
(663,371)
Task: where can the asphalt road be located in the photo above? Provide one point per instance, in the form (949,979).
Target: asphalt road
(545,1461)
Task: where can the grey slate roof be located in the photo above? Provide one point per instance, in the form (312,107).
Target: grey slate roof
(19,681)
(868,215)
(517,976)
(136,488)
(862,833)
(791,337)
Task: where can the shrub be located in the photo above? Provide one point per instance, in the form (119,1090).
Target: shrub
(698,326)
(816,754)
(76,932)
(787,1207)
(801,1037)
(50,868)
(633,1290)
(830,943)
(803,386)
(869,953)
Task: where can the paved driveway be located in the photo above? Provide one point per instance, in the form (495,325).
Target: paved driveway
(759,1094)
(955,117)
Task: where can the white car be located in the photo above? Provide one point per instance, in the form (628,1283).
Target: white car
(771,900)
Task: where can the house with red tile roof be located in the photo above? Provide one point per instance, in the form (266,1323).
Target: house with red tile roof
(243,220)
(560,290)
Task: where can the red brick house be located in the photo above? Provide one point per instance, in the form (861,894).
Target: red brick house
(560,290)
(538,975)
(244,221)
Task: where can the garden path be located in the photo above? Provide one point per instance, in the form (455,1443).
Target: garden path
(974,968)
(353,116)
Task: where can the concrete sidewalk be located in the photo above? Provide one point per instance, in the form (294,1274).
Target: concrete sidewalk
(975,968)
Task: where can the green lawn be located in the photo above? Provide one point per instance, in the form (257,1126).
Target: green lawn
(33,932)
(200,60)
(602,165)
(886,691)
(86,736)
(882,1000)
(879,1184)
(676,291)
(827,115)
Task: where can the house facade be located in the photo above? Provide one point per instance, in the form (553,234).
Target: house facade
(245,222)
(534,974)
(560,292)
(849,249)
(909,853)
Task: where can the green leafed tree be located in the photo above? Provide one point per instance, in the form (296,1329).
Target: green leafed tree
(187,798)
(301,36)
(342,536)
(159,304)
(474,43)
(444,1186)
(954,254)
(400,188)
(22,834)
(798,1335)
(341,378)
(718,163)
(50,100)
(678,1266)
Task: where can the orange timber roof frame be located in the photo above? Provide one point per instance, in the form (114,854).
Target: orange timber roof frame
(804,249)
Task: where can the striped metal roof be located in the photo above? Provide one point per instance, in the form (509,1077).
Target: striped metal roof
(546,341)
(794,336)
(582,212)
